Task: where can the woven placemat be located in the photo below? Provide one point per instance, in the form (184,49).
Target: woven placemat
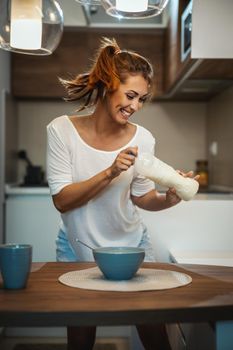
(145,279)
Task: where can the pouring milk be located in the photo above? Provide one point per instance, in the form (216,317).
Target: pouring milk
(163,174)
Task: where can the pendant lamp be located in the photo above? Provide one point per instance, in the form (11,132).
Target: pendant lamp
(32,27)
(89,2)
(135,9)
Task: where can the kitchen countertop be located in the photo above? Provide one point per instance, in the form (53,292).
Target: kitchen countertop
(204,257)
(43,190)
(18,190)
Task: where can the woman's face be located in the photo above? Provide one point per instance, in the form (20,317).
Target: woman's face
(127,99)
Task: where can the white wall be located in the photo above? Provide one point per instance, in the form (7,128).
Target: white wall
(220,131)
(179,129)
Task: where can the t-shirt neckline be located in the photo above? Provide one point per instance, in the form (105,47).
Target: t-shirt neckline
(100,150)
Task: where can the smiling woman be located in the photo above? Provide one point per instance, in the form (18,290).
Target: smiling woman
(111,67)
(91,170)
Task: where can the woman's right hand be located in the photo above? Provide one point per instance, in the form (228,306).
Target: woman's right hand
(124,160)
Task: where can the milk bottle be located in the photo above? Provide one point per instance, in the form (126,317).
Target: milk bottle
(163,174)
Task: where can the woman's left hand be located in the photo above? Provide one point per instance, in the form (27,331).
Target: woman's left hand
(188,174)
(171,196)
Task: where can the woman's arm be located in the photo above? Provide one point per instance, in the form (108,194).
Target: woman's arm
(77,194)
(155,201)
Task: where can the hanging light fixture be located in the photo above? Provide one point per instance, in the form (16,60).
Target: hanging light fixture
(25,18)
(32,27)
(135,9)
(132,6)
(89,2)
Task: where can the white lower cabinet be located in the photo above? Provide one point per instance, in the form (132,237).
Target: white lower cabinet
(33,219)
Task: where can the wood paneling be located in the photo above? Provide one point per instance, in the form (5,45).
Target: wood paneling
(34,76)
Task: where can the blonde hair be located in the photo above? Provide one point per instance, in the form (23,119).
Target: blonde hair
(111,67)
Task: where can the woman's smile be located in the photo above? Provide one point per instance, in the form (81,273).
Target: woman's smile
(126,115)
(128,98)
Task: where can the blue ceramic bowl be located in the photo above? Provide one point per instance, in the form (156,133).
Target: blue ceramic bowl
(119,263)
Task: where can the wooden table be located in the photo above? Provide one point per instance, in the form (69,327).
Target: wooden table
(47,302)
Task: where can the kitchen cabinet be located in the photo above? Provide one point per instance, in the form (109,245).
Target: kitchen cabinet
(212,30)
(174,67)
(31,218)
(191,79)
(202,224)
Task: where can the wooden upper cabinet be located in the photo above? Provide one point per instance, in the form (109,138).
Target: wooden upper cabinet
(191,79)
(37,76)
(174,67)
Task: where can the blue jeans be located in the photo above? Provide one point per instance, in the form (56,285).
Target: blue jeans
(65,252)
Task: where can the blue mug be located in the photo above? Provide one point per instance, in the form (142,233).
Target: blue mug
(15,264)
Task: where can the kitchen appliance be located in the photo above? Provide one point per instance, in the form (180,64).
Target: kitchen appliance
(34,173)
(186,31)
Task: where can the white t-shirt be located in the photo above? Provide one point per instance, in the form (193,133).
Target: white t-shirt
(110,218)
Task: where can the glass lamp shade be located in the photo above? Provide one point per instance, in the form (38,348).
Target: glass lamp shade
(32,27)
(134,10)
(89,2)
(132,6)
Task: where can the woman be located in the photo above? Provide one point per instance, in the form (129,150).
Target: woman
(91,174)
